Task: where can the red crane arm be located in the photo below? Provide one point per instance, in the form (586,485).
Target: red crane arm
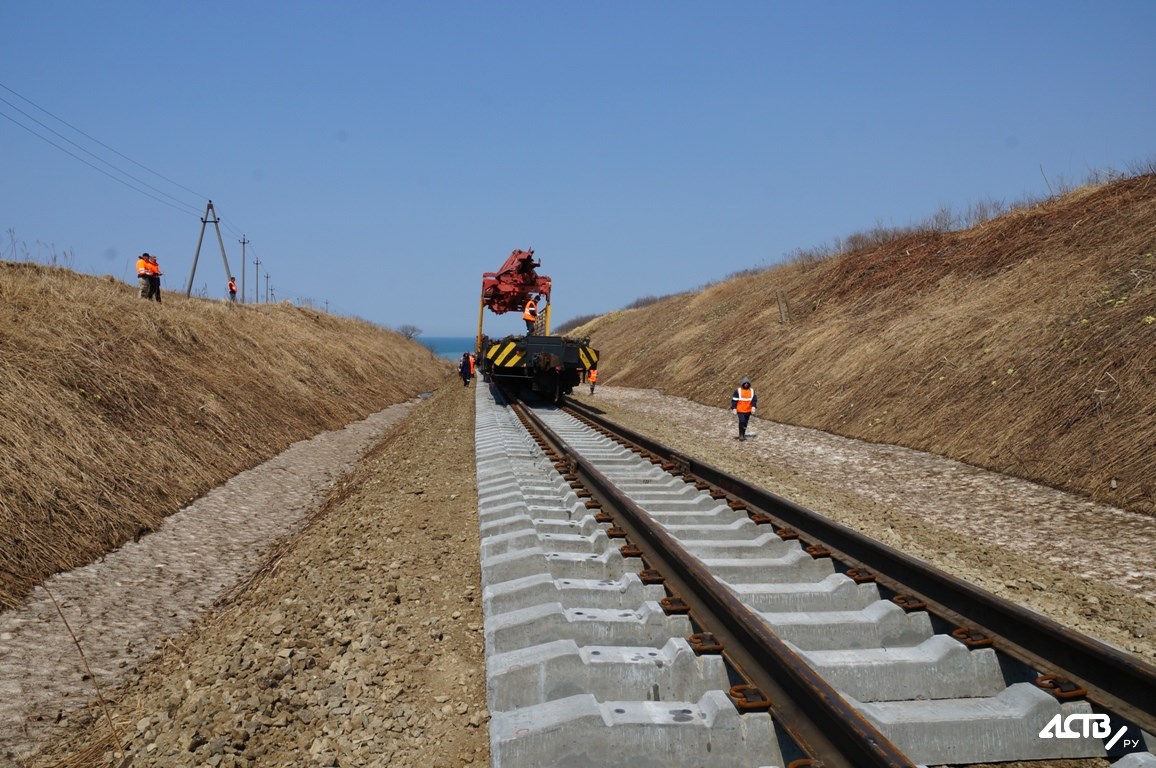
(508,289)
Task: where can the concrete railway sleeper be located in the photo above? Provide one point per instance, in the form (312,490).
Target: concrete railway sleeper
(1120,687)
(605,648)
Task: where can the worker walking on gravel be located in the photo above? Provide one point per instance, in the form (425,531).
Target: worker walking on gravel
(592,378)
(464,369)
(744,401)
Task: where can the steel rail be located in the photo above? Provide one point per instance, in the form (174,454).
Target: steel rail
(805,705)
(1114,679)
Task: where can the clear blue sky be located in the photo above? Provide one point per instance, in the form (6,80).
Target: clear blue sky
(381,155)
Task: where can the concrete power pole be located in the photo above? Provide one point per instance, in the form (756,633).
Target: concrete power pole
(266,287)
(256,279)
(244,242)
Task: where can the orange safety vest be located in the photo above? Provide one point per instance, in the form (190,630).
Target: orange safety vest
(143,268)
(592,376)
(471,365)
(531,311)
(154,268)
(746,396)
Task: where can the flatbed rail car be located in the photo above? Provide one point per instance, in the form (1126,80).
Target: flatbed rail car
(548,365)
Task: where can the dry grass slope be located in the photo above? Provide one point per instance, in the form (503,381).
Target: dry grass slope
(115,412)
(1025,345)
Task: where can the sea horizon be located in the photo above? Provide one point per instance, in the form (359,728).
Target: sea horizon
(449,347)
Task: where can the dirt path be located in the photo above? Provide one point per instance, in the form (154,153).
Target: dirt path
(123,607)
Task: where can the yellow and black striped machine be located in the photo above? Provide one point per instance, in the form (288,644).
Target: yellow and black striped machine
(549,365)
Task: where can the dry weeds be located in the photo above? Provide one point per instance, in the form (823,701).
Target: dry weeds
(1026,345)
(115,412)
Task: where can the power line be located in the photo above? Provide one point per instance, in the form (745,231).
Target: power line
(101,143)
(186,209)
(179,205)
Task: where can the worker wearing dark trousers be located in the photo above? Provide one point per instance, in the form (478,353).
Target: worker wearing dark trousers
(592,378)
(530,315)
(464,369)
(154,279)
(744,401)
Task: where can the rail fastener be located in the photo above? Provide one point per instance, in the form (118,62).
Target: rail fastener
(909,603)
(972,638)
(748,698)
(1060,687)
(705,642)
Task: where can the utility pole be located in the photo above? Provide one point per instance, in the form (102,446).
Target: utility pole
(266,287)
(210,217)
(244,242)
(257,280)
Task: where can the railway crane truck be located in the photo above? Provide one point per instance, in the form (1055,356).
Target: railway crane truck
(548,365)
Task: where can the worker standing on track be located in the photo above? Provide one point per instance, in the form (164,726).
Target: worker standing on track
(592,378)
(744,401)
(530,314)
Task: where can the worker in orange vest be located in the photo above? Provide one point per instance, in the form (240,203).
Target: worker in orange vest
(143,271)
(592,378)
(744,401)
(473,364)
(154,272)
(232,288)
(530,315)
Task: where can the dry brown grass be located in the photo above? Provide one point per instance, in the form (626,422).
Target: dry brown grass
(1026,344)
(115,412)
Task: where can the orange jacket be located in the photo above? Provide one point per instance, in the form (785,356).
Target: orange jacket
(744,399)
(143,268)
(232,285)
(592,375)
(531,311)
(472,363)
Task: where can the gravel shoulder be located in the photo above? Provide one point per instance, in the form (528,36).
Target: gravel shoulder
(359,640)
(1088,566)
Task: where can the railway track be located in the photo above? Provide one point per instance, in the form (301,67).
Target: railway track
(643,608)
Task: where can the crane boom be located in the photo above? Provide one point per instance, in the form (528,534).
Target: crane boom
(508,289)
